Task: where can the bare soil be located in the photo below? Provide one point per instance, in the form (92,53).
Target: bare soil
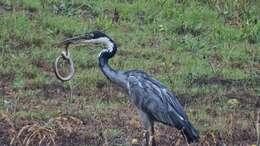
(96,130)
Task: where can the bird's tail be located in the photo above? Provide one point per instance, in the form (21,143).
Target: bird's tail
(190,133)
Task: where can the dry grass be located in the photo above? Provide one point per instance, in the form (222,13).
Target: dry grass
(67,125)
(36,134)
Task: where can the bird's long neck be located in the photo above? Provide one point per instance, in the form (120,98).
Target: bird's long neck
(115,76)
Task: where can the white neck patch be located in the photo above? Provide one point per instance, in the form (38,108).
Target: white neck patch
(103,40)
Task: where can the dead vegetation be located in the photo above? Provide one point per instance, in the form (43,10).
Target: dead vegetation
(35,135)
(120,126)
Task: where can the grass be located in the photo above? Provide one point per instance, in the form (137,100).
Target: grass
(207,52)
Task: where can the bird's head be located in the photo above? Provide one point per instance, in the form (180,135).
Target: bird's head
(95,37)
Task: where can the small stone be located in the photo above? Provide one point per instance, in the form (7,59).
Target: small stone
(134,141)
(233,102)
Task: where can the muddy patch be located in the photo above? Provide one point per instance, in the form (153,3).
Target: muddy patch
(54,90)
(245,98)
(204,80)
(183,30)
(111,94)
(240,64)
(156,70)
(42,64)
(7,77)
(17,43)
(5,84)
(2,10)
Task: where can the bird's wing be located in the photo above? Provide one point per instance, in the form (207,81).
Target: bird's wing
(155,99)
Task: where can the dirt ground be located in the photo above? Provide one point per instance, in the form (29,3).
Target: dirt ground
(111,127)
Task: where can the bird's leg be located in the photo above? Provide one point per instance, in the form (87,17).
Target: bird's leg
(146,136)
(147,126)
(151,136)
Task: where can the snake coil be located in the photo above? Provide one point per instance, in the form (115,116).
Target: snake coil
(65,55)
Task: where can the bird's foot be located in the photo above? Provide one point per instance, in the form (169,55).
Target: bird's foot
(152,141)
(145,141)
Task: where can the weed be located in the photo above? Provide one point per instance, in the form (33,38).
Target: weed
(30,133)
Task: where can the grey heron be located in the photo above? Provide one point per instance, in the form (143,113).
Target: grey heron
(154,101)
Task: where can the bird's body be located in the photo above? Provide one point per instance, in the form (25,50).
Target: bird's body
(154,101)
(158,104)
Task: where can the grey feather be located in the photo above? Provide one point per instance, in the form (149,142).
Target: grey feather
(154,98)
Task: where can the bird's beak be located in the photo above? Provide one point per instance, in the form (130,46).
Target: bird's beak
(78,39)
